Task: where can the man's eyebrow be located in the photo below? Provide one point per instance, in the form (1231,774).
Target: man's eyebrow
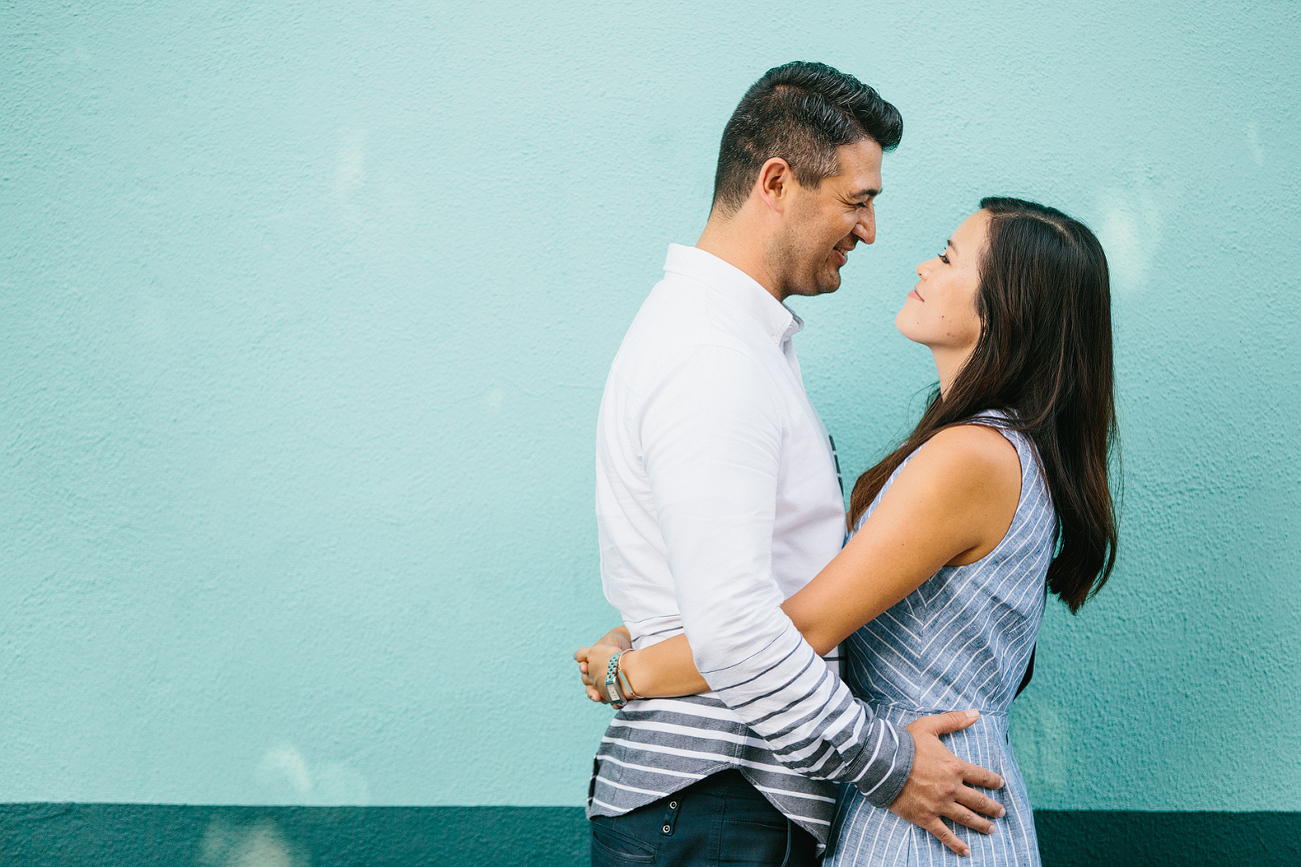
(865,193)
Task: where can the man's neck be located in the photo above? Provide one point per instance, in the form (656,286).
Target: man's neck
(739,245)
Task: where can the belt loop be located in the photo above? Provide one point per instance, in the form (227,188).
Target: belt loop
(671,814)
(787,859)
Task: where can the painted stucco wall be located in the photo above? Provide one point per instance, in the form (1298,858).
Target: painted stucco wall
(305,311)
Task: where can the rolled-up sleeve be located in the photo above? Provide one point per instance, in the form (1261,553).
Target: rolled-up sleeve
(711,438)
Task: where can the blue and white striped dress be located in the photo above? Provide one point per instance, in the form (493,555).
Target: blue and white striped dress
(960,640)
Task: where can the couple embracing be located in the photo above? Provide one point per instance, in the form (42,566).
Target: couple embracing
(723,531)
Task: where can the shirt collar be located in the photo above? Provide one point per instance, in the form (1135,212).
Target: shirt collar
(743,292)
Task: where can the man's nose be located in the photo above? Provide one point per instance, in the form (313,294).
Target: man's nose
(865,228)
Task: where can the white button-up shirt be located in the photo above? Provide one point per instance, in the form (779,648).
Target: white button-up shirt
(716,499)
(707,440)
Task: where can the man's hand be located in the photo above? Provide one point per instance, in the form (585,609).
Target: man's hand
(937,785)
(597,658)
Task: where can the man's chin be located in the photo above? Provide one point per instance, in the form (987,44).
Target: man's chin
(830,285)
(826,285)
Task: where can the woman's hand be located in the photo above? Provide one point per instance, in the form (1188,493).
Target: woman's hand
(597,658)
(592,663)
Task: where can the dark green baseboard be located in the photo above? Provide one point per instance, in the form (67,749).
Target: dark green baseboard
(134,835)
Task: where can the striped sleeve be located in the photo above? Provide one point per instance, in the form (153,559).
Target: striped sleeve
(810,720)
(710,435)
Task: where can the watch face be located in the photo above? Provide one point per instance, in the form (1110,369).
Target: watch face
(611,681)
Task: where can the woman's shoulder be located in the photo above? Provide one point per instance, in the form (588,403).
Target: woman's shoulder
(970,461)
(975,448)
(972,472)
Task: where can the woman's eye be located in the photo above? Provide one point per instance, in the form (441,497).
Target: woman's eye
(944,259)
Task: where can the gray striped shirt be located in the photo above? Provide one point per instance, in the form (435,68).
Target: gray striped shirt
(717,499)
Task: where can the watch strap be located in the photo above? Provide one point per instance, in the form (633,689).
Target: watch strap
(612,686)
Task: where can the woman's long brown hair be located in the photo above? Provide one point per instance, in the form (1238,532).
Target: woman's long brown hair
(1044,356)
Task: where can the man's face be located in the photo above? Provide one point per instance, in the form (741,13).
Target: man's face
(823,225)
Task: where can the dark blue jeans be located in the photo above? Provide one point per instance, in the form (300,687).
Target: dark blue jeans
(720,820)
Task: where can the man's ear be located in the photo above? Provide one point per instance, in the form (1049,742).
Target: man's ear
(776,184)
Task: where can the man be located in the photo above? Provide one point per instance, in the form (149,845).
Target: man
(717,498)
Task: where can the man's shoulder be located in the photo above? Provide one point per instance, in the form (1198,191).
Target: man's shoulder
(679,320)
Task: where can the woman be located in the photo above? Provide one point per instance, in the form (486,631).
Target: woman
(999,492)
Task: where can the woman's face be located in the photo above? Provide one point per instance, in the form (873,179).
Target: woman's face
(940,311)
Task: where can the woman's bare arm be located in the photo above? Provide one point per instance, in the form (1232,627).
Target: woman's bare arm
(951,505)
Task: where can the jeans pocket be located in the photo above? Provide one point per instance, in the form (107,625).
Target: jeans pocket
(755,840)
(611,848)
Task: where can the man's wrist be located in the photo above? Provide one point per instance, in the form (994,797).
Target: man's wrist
(881,792)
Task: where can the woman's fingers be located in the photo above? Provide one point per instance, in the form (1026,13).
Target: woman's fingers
(580,656)
(589,686)
(585,657)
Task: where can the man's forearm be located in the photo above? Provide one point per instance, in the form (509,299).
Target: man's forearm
(812,723)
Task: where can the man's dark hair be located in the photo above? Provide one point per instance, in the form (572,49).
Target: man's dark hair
(800,112)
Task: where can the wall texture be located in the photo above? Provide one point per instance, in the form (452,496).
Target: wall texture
(305,310)
(114,835)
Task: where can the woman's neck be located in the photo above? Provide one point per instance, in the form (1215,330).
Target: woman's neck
(948,364)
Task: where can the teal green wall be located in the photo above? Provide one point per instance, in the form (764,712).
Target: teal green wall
(129,835)
(305,310)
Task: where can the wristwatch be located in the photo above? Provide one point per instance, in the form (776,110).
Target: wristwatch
(612,689)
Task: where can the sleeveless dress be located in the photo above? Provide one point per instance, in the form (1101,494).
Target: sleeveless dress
(960,640)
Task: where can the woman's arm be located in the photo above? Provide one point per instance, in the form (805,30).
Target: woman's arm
(951,505)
